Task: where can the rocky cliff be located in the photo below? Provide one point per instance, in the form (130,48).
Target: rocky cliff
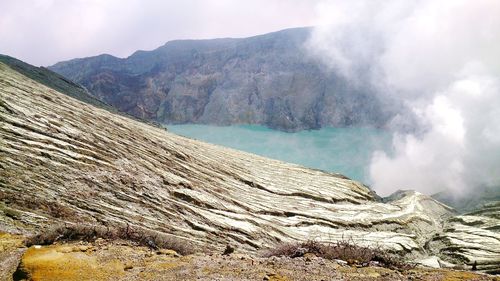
(65,161)
(269,80)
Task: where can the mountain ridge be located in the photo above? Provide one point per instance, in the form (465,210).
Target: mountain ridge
(267,79)
(60,83)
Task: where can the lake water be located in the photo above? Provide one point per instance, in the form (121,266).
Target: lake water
(342,150)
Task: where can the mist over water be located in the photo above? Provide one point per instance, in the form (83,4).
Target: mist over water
(341,150)
(441,60)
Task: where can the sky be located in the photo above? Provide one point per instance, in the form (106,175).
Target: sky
(43,32)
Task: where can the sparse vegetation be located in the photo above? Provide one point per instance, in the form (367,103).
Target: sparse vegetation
(346,250)
(52,208)
(80,232)
(11,213)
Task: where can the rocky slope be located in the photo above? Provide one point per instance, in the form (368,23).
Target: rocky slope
(475,234)
(54,81)
(269,80)
(472,201)
(59,83)
(62,160)
(474,237)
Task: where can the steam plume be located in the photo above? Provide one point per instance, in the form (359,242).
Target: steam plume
(441,59)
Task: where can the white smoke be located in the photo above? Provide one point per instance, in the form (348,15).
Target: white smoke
(442,59)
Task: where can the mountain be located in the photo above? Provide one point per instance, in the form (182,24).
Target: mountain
(269,80)
(470,202)
(55,81)
(61,84)
(67,162)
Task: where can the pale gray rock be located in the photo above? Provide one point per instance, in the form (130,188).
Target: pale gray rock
(431,261)
(471,238)
(9,261)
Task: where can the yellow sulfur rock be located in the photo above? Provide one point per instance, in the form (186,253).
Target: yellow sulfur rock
(9,242)
(458,276)
(166,252)
(57,263)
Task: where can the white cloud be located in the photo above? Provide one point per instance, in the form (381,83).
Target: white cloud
(441,59)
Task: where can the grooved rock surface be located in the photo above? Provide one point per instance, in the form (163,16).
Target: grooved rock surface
(269,79)
(64,160)
(473,238)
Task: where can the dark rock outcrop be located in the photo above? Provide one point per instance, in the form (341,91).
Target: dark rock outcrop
(269,80)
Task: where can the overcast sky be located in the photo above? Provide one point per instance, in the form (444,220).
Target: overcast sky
(43,32)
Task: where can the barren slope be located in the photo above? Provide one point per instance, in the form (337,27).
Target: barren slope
(472,237)
(64,160)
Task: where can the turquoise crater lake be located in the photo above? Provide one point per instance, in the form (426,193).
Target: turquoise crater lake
(341,150)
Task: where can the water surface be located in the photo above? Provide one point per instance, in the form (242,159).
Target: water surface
(342,150)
